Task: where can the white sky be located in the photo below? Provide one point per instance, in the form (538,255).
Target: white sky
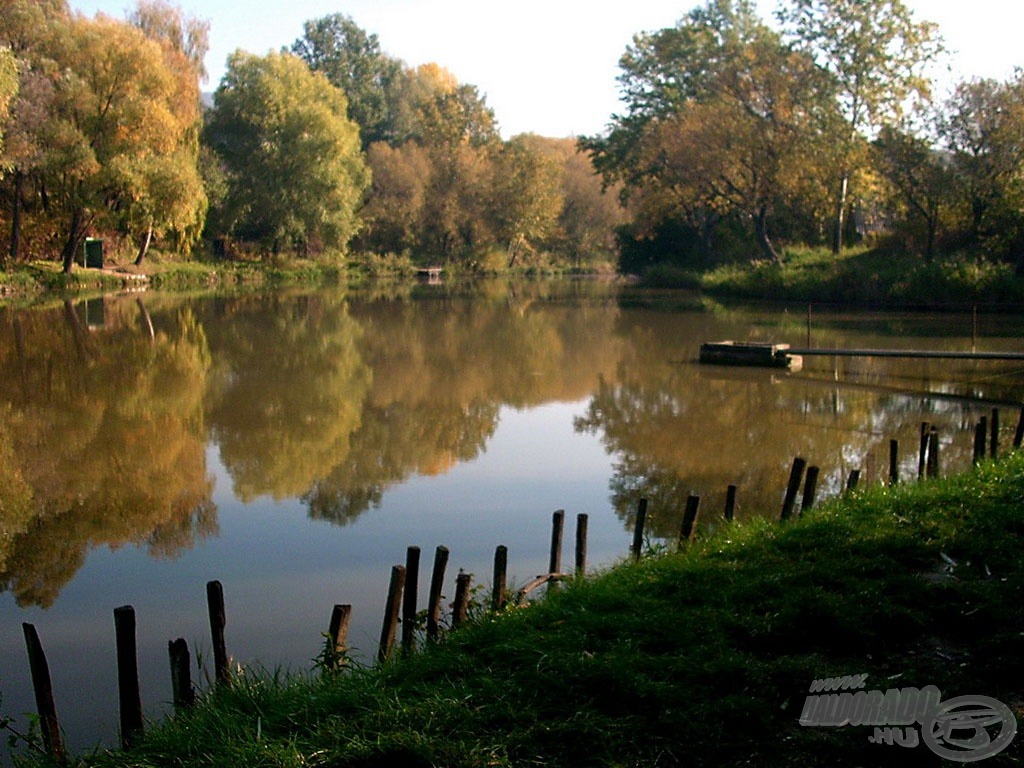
(547,66)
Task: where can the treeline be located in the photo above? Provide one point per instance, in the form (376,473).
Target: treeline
(738,137)
(329,147)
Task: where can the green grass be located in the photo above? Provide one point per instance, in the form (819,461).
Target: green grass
(700,658)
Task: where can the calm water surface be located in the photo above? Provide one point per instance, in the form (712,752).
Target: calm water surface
(292,445)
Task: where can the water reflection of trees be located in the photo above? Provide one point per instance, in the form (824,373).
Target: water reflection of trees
(102,441)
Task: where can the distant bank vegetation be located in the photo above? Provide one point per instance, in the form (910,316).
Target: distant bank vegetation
(737,141)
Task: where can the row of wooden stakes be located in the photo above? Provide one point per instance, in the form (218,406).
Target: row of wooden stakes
(401,606)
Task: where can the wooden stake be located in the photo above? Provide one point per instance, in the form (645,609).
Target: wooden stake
(391,612)
(796,474)
(894,462)
(979,441)
(853,479)
(810,489)
(557,526)
(460,610)
(922,454)
(434,598)
(689,519)
(218,620)
(933,452)
(182,693)
(638,529)
(500,581)
(993,445)
(582,521)
(410,597)
(1018,436)
(128,676)
(337,634)
(730,502)
(43,687)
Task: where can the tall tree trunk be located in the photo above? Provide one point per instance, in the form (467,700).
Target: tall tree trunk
(144,248)
(840,222)
(763,240)
(73,244)
(19,186)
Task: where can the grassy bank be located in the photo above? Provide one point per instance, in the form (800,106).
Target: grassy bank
(701,658)
(859,277)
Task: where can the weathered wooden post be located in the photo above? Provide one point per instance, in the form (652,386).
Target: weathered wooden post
(894,462)
(43,687)
(796,474)
(434,598)
(557,526)
(500,581)
(182,693)
(337,635)
(127,676)
(933,452)
(730,503)
(391,612)
(460,610)
(853,479)
(993,447)
(410,597)
(1018,436)
(810,489)
(582,521)
(686,530)
(218,620)
(922,454)
(638,529)
(979,441)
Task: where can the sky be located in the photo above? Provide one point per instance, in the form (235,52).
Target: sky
(548,66)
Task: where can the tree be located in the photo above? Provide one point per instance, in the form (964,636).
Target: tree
(875,53)
(353,62)
(527,196)
(8,90)
(296,172)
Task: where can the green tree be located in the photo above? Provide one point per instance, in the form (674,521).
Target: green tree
(8,90)
(353,61)
(527,196)
(875,53)
(296,171)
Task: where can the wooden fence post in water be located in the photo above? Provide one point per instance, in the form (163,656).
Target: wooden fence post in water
(853,479)
(894,462)
(582,521)
(933,452)
(730,502)
(181,674)
(1018,436)
(41,683)
(337,635)
(796,474)
(434,598)
(810,489)
(128,676)
(638,529)
(689,519)
(557,526)
(391,612)
(409,597)
(993,446)
(500,581)
(218,620)
(460,610)
(979,441)
(922,453)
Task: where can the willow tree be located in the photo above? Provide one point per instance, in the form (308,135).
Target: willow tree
(296,173)
(875,54)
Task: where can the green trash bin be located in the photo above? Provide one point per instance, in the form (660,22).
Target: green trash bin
(94,252)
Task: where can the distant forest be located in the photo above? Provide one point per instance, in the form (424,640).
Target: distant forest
(736,140)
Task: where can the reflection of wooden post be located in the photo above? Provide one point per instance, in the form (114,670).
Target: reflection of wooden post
(460,611)
(128,676)
(689,519)
(810,489)
(933,452)
(500,578)
(337,635)
(434,598)
(638,529)
(730,502)
(853,479)
(181,674)
(582,521)
(894,462)
(923,450)
(993,446)
(391,612)
(218,620)
(44,695)
(796,474)
(410,596)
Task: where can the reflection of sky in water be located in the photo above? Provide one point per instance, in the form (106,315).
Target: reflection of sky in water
(282,573)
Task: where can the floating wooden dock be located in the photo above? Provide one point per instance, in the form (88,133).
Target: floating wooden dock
(760,354)
(909,353)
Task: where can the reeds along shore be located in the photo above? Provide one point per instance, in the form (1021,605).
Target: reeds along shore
(401,609)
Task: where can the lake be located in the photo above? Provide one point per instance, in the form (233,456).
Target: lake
(293,444)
